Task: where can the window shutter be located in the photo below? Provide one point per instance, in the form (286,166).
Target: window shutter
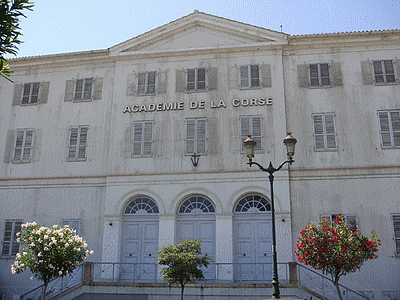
(336,74)
(302,76)
(318,132)
(131,85)
(256,131)
(97,88)
(190,136)
(73,142)
(44,92)
(7,238)
(162,82)
(233,78)
(245,128)
(366,73)
(385,129)
(137,139)
(201,136)
(148,138)
(10,143)
(37,145)
(395,118)
(266,78)
(17,94)
(396,229)
(180,86)
(244,76)
(330,131)
(82,142)
(212,78)
(69,90)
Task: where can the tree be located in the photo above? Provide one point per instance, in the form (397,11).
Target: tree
(10,13)
(183,261)
(49,252)
(335,247)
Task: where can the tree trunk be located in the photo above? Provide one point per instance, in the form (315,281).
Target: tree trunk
(44,290)
(182,289)
(336,283)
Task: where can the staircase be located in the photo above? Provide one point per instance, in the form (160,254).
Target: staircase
(99,281)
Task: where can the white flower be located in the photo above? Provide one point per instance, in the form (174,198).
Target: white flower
(66,245)
(40,254)
(32,245)
(46,237)
(24,253)
(12,270)
(30,238)
(59,273)
(18,233)
(31,278)
(46,249)
(91,252)
(17,256)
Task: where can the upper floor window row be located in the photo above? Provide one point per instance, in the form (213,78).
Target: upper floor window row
(31,93)
(378,72)
(83,89)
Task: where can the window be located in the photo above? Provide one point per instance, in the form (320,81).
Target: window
(196,136)
(73,223)
(83,89)
(147,83)
(383,71)
(23,145)
(30,94)
(77,143)
(390,128)
(324,131)
(350,220)
(396,229)
(249,76)
(141,205)
(251,125)
(197,204)
(196,79)
(10,244)
(319,75)
(142,138)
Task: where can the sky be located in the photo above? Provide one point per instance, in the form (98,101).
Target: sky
(60,26)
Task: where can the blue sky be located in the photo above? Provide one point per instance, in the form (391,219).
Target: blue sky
(59,26)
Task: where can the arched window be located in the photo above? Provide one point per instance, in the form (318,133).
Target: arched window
(141,205)
(253,203)
(196,204)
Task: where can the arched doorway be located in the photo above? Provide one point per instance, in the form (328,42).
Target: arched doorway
(140,240)
(252,247)
(196,220)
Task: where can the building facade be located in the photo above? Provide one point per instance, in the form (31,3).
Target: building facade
(104,140)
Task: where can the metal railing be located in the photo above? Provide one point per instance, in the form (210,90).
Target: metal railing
(324,285)
(56,286)
(214,273)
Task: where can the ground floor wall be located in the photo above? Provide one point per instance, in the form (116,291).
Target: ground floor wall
(369,195)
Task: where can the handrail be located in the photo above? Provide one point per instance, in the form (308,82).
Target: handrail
(56,286)
(326,287)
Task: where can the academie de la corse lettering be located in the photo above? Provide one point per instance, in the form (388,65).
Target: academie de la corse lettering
(165,106)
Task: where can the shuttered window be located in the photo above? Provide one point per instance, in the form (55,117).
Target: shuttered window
(350,219)
(10,244)
(396,229)
(324,131)
(251,125)
(146,83)
(23,145)
(77,143)
(196,136)
(142,138)
(73,223)
(390,128)
(249,76)
(319,75)
(83,89)
(30,93)
(196,79)
(383,71)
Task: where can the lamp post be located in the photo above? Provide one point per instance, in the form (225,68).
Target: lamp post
(290,143)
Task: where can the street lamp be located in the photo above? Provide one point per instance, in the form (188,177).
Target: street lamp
(249,145)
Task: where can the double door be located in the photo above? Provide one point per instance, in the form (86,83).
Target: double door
(139,250)
(252,248)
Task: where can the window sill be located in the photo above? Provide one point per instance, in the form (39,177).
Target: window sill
(321,86)
(80,101)
(29,104)
(141,156)
(76,160)
(385,83)
(250,88)
(20,162)
(326,150)
(390,147)
(148,94)
(196,91)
